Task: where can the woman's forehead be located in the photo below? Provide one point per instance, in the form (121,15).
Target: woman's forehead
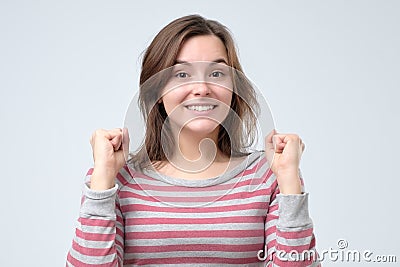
(202,48)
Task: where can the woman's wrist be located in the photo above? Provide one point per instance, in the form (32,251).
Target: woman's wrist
(289,182)
(102,179)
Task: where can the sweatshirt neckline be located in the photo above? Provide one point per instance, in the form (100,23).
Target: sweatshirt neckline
(249,159)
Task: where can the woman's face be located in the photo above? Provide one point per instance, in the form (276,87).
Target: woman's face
(198,95)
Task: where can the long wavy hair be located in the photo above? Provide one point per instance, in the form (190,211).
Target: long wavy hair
(238,133)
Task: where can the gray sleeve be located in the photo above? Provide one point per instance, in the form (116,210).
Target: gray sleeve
(98,219)
(99,203)
(293,212)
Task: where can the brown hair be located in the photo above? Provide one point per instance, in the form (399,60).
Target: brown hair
(160,55)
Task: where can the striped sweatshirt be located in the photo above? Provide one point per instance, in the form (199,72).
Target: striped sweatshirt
(236,219)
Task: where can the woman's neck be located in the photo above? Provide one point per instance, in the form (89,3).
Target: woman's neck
(196,152)
(197,158)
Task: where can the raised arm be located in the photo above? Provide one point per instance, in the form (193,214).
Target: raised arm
(99,235)
(289,232)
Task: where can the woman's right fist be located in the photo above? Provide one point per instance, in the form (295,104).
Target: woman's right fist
(110,148)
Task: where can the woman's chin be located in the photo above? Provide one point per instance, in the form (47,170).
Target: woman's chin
(201,126)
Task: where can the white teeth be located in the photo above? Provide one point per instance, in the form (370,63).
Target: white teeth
(201,108)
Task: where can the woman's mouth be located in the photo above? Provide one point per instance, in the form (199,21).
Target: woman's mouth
(200,108)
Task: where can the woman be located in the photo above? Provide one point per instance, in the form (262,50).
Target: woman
(182,200)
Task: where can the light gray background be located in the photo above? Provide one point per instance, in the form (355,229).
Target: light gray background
(330,71)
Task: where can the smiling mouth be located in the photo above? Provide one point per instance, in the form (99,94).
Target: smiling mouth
(200,107)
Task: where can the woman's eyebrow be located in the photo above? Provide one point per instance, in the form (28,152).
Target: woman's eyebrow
(220,60)
(177,61)
(216,61)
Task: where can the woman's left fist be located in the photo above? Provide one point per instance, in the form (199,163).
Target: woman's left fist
(283,152)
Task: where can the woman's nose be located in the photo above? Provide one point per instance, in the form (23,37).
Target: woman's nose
(201,89)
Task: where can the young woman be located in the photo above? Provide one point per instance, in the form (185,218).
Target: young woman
(181,201)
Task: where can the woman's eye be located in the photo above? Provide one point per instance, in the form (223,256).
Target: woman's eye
(182,75)
(217,74)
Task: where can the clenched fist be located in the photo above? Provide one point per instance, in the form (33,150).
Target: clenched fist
(109,153)
(283,152)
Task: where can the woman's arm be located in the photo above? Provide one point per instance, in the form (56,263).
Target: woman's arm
(289,232)
(99,233)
